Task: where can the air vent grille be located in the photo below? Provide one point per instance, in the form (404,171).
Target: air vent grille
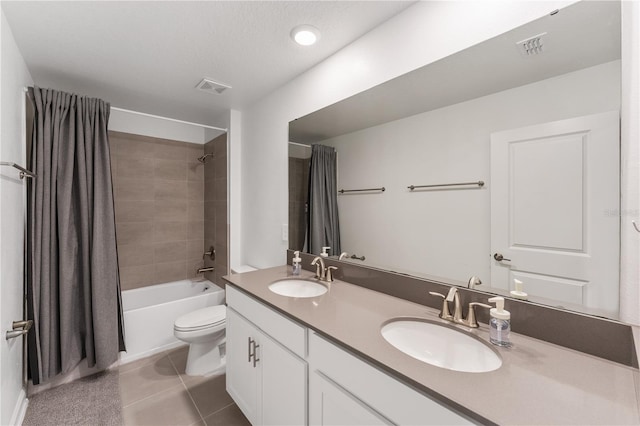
(533,45)
(210,86)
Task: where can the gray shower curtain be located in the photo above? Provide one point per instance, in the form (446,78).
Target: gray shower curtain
(324,227)
(73,285)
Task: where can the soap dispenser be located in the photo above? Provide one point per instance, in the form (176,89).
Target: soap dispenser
(324,252)
(296,263)
(518,293)
(500,323)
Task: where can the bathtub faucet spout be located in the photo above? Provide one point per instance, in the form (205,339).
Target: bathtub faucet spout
(208,269)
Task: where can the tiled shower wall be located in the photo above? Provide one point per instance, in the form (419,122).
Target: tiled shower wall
(298,194)
(159,203)
(215,207)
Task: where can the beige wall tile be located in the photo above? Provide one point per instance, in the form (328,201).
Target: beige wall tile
(170,211)
(195,171)
(195,230)
(164,232)
(170,150)
(170,190)
(133,189)
(195,211)
(194,152)
(170,252)
(195,249)
(135,167)
(136,255)
(195,190)
(136,276)
(170,271)
(169,169)
(160,215)
(193,266)
(134,211)
(134,232)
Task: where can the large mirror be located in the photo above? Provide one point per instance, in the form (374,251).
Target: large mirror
(499,162)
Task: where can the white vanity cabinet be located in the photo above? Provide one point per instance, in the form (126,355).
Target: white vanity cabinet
(266,377)
(345,390)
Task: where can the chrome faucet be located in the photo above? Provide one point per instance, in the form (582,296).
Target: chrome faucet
(322,273)
(457,318)
(343,255)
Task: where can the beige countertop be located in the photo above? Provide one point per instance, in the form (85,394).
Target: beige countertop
(538,383)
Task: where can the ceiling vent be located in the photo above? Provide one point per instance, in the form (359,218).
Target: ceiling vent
(210,86)
(532,46)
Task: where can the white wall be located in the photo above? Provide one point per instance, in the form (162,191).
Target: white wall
(14,77)
(122,121)
(422,34)
(446,233)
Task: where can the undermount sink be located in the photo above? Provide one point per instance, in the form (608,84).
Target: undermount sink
(298,288)
(441,346)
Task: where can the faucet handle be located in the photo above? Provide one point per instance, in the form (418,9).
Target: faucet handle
(471,315)
(444,312)
(329,274)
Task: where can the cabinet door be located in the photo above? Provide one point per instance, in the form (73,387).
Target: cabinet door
(284,385)
(242,376)
(330,404)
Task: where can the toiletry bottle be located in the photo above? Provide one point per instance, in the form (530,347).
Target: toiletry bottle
(518,293)
(324,252)
(500,323)
(296,262)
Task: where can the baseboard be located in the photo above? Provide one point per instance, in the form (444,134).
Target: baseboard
(20,409)
(126,358)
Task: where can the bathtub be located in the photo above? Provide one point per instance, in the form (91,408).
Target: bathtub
(149,314)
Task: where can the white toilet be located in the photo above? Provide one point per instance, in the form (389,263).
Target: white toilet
(204,330)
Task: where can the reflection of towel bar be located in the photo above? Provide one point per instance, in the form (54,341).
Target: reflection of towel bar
(342,191)
(23,172)
(479,183)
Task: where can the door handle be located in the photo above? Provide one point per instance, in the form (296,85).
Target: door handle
(252,351)
(20,328)
(500,258)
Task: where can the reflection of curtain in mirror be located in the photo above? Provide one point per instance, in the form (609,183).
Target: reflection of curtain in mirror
(324,229)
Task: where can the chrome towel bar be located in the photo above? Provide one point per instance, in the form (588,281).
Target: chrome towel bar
(479,183)
(342,191)
(23,172)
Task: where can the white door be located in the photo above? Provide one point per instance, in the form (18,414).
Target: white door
(242,371)
(284,385)
(555,197)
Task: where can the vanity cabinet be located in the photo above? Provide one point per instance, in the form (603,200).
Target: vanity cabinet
(266,379)
(345,390)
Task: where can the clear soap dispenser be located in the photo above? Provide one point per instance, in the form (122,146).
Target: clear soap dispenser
(500,323)
(296,263)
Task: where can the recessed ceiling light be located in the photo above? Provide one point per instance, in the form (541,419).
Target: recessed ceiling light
(305,35)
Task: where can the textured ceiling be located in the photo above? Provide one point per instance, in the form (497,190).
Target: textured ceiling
(148,56)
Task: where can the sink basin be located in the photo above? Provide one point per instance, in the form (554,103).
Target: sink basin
(441,346)
(298,288)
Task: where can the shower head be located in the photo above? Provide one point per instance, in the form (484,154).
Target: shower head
(204,158)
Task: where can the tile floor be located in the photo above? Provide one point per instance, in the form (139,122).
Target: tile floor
(155,391)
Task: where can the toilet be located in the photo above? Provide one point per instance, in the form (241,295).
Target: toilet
(204,331)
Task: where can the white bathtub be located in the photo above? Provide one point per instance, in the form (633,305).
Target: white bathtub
(149,314)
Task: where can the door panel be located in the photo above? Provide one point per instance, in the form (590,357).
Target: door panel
(555,198)
(284,384)
(242,376)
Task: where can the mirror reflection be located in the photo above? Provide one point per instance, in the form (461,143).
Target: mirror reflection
(500,162)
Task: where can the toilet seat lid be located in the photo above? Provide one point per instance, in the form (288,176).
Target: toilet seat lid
(202,317)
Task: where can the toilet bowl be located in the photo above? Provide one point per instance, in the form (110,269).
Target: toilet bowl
(204,331)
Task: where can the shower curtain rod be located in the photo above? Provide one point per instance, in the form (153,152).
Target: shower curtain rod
(26,89)
(170,119)
(300,144)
